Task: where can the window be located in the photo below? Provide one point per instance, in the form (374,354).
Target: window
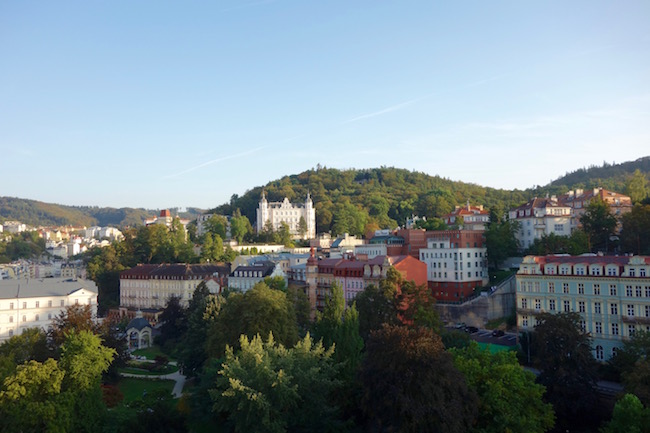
(551,304)
(49,316)
(632,273)
(598,328)
(551,287)
(630,310)
(565,287)
(538,304)
(631,330)
(583,325)
(611,272)
(638,291)
(596,289)
(524,303)
(567,306)
(581,288)
(49,303)
(524,321)
(597,308)
(76,301)
(628,291)
(564,270)
(599,353)
(613,309)
(11,305)
(37,304)
(62,302)
(612,290)
(24,305)
(647,291)
(580,270)
(642,272)
(36,318)
(614,328)
(595,270)
(581,306)
(24,318)
(11,319)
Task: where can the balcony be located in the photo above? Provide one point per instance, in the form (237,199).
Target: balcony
(636,320)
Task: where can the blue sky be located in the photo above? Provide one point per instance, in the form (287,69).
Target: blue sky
(166,104)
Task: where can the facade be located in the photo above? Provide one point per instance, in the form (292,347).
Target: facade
(456,263)
(201,224)
(473,217)
(539,217)
(611,293)
(285,212)
(561,215)
(244,277)
(35,303)
(148,287)
(354,275)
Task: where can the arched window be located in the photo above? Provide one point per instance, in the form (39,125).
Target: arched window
(614,351)
(599,353)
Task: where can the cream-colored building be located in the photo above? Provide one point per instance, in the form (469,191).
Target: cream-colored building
(286,212)
(149,287)
(30,303)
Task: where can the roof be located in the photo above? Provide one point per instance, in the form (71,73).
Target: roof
(138,323)
(33,288)
(588,259)
(181,270)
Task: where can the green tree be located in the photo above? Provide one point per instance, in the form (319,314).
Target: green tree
(75,318)
(240,227)
(265,387)
(635,231)
(376,306)
(562,351)
(599,224)
(410,384)
(637,186)
(302,227)
(173,322)
(259,310)
(501,240)
(509,398)
(212,248)
(202,312)
(84,359)
(339,327)
(284,235)
(217,225)
(629,416)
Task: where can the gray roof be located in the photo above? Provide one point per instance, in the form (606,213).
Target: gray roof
(35,288)
(138,323)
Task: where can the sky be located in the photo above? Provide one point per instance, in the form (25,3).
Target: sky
(160,104)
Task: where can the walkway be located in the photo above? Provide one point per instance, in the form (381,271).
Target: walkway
(175,376)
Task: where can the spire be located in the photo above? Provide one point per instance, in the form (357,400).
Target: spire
(263,195)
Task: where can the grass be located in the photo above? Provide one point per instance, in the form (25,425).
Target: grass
(133,388)
(136,370)
(150,352)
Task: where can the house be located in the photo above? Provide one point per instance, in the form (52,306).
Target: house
(540,217)
(34,303)
(611,294)
(470,217)
(244,277)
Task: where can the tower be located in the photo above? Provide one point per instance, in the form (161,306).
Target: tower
(262,213)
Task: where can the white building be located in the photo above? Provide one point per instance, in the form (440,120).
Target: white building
(246,276)
(34,303)
(286,212)
(110,233)
(539,217)
(14,227)
(148,287)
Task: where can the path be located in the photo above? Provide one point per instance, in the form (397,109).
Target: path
(176,376)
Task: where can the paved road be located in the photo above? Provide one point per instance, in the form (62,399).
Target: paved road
(485,336)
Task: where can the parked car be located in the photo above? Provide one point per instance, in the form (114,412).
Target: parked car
(498,333)
(471,329)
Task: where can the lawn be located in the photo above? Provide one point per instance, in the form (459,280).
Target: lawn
(133,388)
(135,370)
(150,352)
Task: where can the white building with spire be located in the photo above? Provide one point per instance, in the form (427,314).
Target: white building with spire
(285,212)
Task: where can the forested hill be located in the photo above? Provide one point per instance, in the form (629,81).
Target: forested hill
(36,213)
(354,200)
(608,176)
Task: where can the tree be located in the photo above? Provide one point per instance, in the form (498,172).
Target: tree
(632,363)
(637,186)
(635,231)
(574,244)
(75,318)
(376,306)
(339,327)
(501,241)
(410,384)
(562,351)
(202,312)
(30,345)
(84,359)
(216,225)
(173,319)
(629,416)
(212,249)
(509,398)
(260,310)
(240,227)
(302,227)
(284,235)
(599,224)
(265,387)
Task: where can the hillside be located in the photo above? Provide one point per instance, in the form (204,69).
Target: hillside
(36,213)
(345,200)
